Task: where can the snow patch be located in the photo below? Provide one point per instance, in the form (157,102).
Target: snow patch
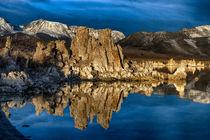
(177,47)
(53,29)
(200,31)
(203,28)
(191,43)
(5,27)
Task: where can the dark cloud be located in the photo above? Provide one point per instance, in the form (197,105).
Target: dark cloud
(201,10)
(39,0)
(125,15)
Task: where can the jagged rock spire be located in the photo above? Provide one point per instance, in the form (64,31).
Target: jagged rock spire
(101,53)
(6,51)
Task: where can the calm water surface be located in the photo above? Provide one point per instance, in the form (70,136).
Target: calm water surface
(153,111)
(140,117)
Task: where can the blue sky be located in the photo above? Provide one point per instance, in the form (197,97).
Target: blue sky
(127,16)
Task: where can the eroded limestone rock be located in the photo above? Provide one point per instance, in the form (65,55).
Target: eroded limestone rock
(100,54)
(116,35)
(54,53)
(6,51)
(93,59)
(39,55)
(103,60)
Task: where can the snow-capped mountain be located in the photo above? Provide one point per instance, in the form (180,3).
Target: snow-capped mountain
(116,35)
(53,29)
(196,32)
(5,27)
(46,29)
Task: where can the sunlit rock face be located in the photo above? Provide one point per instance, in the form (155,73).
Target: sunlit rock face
(96,56)
(116,35)
(93,59)
(86,58)
(54,52)
(6,51)
(39,54)
(103,60)
(15,65)
(90,59)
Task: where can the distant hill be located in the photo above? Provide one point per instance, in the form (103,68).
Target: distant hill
(188,42)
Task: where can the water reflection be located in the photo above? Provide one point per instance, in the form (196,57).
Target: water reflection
(87,100)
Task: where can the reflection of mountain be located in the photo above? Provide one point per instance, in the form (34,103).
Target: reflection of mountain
(89,100)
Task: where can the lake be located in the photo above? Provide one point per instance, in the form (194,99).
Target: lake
(118,110)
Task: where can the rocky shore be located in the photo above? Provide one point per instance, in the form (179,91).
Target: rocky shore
(87,58)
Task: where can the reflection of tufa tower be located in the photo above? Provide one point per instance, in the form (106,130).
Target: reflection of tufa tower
(89,100)
(8,42)
(180,87)
(86,101)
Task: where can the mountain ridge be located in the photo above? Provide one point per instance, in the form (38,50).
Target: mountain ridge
(49,30)
(188,42)
(5,27)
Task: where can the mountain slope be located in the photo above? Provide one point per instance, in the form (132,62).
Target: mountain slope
(193,42)
(197,32)
(5,27)
(53,29)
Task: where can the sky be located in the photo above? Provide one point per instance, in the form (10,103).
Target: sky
(127,16)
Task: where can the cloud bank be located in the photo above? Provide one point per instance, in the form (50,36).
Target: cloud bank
(125,15)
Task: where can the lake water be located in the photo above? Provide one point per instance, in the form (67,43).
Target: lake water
(153,111)
(140,117)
